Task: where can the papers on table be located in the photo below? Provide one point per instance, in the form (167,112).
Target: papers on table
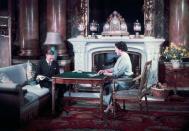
(93,75)
(77,71)
(90,75)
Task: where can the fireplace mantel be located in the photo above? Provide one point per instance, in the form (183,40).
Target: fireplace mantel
(84,48)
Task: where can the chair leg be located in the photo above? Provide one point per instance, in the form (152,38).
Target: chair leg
(146,102)
(114,108)
(140,104)
(124,105)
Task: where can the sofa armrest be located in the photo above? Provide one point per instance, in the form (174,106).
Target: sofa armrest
(11,97)
(9,88)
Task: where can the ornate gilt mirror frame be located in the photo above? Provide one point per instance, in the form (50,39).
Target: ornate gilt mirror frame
(148,9)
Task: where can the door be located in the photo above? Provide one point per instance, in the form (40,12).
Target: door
(5,41)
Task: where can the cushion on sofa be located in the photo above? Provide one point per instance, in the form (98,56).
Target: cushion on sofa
(29,98)
(16,73)
(5,79)
(6,84)
(36,90)
(30,72)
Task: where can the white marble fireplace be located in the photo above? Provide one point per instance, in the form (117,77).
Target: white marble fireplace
(85,47)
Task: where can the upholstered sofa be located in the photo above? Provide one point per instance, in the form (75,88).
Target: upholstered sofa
(20,99)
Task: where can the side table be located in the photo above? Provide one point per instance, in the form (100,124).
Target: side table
(177,77)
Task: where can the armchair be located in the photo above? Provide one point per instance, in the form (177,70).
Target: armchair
(133,95)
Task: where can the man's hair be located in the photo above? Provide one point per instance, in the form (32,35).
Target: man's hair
(49,51)
(121,46)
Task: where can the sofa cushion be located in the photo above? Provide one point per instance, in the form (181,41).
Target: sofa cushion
(5,79)
(30,71)
(16,73)
(29,98)
(36,90)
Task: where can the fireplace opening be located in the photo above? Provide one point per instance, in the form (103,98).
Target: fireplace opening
(106,59)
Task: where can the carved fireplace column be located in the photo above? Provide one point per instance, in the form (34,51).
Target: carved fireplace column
(28,25)
(179,22)
(56,21)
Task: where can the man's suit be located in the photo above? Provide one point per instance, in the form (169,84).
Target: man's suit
(49,70)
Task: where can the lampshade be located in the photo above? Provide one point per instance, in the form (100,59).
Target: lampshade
(53,38)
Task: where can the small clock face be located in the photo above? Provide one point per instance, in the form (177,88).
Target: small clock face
(115,21)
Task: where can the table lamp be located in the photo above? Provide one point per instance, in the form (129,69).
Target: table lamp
(53,39)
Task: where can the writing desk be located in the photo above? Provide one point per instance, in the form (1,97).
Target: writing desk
(78,78)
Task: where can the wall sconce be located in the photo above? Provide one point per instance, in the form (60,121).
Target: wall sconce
(137,28)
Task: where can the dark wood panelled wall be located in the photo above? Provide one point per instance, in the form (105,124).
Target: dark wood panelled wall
(29,24)
(29,27)
(56,20)
(179,22)
(32,19)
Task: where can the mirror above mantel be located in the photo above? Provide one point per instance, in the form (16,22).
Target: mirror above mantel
(130,10)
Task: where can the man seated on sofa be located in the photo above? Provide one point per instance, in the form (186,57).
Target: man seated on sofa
(46,68)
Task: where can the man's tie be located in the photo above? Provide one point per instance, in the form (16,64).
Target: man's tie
(49,64)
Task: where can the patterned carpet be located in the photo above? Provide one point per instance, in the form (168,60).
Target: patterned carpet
(85,118)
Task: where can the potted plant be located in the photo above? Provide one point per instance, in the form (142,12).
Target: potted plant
(174,53)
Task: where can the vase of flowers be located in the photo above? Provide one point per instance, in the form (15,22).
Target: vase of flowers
(174,53)
(175,64)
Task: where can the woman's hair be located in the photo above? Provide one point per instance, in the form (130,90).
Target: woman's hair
(121,46)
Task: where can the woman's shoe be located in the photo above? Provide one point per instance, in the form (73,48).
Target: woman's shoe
(109,108)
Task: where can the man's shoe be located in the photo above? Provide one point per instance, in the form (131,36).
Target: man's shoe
(58,107)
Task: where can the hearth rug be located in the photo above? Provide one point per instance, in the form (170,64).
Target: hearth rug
(82,118)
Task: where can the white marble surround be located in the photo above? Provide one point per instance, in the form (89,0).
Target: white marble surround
(85,47)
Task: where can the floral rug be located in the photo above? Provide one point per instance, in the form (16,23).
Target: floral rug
(87,118)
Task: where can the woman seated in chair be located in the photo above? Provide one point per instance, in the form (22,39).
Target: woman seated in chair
(121,69)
